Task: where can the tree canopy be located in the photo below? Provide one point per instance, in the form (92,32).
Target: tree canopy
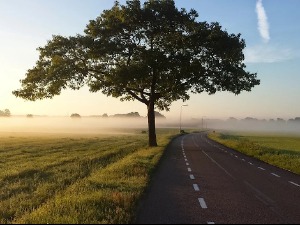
(75,115)
(150,52)
(5,113)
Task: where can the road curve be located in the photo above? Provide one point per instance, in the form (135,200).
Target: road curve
(201,181)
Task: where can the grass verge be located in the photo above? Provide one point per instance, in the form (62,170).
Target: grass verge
(279,150)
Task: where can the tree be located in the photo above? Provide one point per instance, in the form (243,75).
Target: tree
(5,113)
(75,115)
(159,115)
(128,115)
(105,115)
(153,53)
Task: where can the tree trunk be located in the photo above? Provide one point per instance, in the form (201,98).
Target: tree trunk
(151,125)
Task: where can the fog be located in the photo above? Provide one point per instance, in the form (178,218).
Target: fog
(251,124)
(44,124)
(291,126)
(82,125)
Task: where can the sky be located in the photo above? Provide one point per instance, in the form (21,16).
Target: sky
(270,28)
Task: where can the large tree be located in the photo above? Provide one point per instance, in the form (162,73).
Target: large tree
(150,52)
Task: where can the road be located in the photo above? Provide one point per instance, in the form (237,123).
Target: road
(199,181)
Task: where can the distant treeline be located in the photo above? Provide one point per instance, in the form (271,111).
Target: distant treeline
(251,119)
(248,123)
(203,123)
(129,115)
(5,113)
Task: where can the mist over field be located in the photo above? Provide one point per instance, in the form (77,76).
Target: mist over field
(82,125)
(48,124)
(256,125)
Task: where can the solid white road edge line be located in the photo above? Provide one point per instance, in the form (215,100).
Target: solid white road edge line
(294,183)
(274,174)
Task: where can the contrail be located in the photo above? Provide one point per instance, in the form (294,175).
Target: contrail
(263,25)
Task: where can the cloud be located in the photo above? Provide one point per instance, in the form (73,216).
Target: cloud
(263,25)
(267,54)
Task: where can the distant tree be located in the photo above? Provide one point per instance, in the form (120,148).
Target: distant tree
(131,114)
(75,115)
(280,120)
(105,115)
(297,119)
(5,113)
(29,115)
(159,115)
(153,53)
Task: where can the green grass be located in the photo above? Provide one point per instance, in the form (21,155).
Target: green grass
(280,150)
(75,178)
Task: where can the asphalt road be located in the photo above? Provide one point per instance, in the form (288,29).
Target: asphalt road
(200,181)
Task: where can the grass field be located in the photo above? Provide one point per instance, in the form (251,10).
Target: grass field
(75,178)
(282,150)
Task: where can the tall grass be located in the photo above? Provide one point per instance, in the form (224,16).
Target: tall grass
(74,179)
(279,150)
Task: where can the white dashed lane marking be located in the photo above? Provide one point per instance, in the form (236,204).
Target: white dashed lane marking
(189,169)
(196,187)
(250,163)
(187,164)
(192,177)
(202,203)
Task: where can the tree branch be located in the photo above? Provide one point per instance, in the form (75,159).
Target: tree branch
(133,94)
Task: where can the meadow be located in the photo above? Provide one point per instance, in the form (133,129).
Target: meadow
(75,178)
(281,150)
